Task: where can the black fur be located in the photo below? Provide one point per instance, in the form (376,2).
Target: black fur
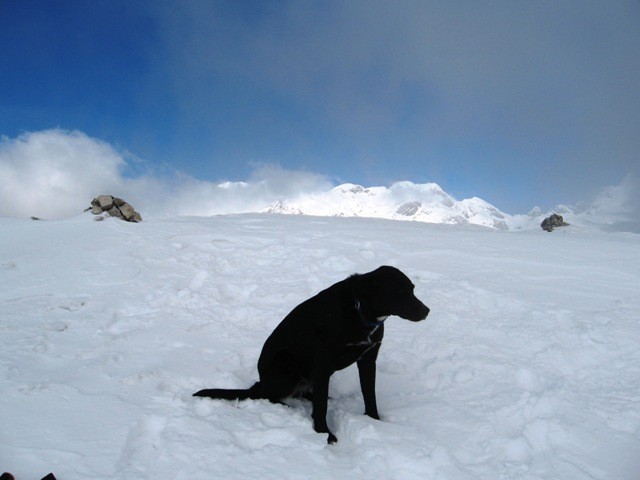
(339,326)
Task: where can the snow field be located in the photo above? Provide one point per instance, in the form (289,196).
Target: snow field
(526,368)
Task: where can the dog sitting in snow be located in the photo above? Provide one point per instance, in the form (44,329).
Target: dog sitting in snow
(341,325)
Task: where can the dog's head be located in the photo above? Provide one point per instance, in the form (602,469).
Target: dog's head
(388,291)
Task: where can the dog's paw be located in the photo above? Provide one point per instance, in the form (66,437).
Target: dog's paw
(373,415)
(331,438)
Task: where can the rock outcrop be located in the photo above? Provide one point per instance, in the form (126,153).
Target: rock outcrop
(115,207)
(552,222)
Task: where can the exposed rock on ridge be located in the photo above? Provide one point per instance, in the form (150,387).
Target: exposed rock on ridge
(115,207)
(552,222)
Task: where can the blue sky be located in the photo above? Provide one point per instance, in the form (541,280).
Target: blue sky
(519,103)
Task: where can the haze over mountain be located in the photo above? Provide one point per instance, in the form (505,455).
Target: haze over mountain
(611,210)
(402,201)
(518,103)
(54,174)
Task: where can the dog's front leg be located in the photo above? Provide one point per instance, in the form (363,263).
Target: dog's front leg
(321,375)
(367,371)
(320,398)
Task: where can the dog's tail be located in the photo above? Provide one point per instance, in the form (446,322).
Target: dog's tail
(226,394)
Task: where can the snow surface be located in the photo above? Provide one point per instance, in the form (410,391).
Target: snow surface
(526,368)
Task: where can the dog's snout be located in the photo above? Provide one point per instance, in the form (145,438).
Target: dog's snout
(419,312)
(424,312)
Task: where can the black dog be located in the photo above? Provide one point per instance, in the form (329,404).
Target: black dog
(339,326)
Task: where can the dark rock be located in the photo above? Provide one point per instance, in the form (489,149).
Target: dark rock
(552,222)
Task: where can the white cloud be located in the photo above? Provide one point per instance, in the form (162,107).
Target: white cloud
(613,208)
(619,205)
(522,89)
(55,173)
(52,173)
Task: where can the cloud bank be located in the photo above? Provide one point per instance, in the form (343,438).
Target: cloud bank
(54,174)
(520,103)
(525,102)
(616,208)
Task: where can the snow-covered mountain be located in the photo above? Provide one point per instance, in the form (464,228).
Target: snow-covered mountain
(402,201)
(614,209)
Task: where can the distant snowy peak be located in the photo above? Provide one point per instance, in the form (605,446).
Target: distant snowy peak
(402,201)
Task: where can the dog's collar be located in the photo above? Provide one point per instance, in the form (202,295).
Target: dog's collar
(376,323)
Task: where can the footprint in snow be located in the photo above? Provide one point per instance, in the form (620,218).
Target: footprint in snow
(464,375)
(199,280)
(143,441)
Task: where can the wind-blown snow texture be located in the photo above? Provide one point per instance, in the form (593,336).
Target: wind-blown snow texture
(527,367)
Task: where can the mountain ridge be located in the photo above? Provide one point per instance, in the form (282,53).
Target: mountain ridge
(406,201)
